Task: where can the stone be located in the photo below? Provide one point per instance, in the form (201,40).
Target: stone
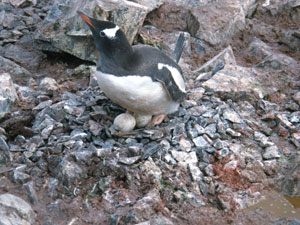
(67,172)
(271,152)
(8,94)
(129,160)
(185,145)
(151,170)
(15,211)
(195,172)
(64,30)
(225,57)
(232,116)
(201,142)
(236,82)
(270,60)
(13,68)
(29,186)
(20,3)
(296,97)
(24,57)
(215,23)
(5,148)
(49,85)
(43,105)
(145,206)
(233,133)
(184,158)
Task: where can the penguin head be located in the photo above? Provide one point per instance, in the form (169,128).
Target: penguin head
(108,37)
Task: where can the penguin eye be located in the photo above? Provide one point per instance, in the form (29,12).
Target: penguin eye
(102,34)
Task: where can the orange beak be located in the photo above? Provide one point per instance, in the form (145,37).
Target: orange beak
(86,19)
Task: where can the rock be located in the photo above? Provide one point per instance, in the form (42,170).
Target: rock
(296,97)
(145,206)
(269,59)
(150,169)
(68,172)
(64,30)
(185,145)
(236,82)
(201,142)
(13,68)
(290,185)
(29,186)
(8,94)
(5,148)
(124,122)
(206,71)
(23,56)
(49,85)
(232,116)
(184,158)
(15,211)
(157,221)
(215,23)
(20,3)
(271,152)
(129,160)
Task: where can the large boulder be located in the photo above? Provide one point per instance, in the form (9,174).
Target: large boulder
(64,31)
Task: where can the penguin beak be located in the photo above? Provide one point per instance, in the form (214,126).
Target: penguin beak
(86,19)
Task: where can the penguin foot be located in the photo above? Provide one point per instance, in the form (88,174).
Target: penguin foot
(157,119)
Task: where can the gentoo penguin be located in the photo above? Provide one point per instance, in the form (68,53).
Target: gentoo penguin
(140,78)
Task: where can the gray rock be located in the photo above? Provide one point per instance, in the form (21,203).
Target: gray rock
(20,3)
(237,81)
(195,172)
(201,142)
(145,206)
(215,24)
(43,105)
(185,145)
(184,158)
(233,133)
(13,68)
(150,169)
(64,30)
(68,172)
(49,85)
(29,58)
(271,152)
(29,186)
(129,160)
(232,116)
(225,57)
(50,185)
(262,139)
(15,211)
(271,60)
(296,97)
(8,94)
(5,148)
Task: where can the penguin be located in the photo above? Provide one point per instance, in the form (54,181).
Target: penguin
(140,78)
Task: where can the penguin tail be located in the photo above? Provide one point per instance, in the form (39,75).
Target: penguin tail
(178,48)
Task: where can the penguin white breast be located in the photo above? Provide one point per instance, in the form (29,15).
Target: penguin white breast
(137,94)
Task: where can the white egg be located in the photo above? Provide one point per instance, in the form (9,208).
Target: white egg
(124,122)
(142,120)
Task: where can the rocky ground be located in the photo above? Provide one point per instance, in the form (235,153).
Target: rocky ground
(235,137)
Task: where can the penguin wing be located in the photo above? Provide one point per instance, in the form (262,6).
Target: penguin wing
(175,88)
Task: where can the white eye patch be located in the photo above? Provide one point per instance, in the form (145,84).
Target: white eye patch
(110,32)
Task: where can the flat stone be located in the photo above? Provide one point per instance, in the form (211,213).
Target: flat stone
(13,68)
(15,211)
(232,116)
(48,84)
(271,152)
(201,142)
